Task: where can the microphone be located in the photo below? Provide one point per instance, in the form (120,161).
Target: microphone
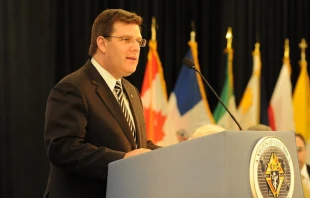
(188,63)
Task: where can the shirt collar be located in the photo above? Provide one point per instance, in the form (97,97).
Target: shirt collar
(107,77)
(304,171)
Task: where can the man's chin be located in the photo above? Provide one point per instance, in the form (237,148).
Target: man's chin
(129,72)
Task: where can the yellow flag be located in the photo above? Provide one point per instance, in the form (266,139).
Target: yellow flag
(249,108)
(301,102)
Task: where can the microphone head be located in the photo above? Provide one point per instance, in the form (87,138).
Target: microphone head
(188,63)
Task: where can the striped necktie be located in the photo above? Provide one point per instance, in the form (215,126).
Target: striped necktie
(120,94)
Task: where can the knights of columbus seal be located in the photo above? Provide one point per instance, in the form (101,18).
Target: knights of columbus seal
(271,169)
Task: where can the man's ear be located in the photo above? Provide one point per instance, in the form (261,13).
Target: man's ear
(101,44)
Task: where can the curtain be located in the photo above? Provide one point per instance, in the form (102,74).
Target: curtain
(26,77)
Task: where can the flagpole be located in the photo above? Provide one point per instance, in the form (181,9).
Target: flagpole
(153,29)
(193,32)
(229,38)
(303,45)
(287,48)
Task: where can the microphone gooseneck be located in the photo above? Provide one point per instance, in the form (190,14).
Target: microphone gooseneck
(189,63)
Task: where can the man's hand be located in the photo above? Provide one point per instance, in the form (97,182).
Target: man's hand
(136,152)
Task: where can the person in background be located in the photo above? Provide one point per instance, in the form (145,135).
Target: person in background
(206,130)
(94,116)
(304,168)
(182,135)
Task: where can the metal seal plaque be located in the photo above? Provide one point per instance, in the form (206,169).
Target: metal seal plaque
(271,169)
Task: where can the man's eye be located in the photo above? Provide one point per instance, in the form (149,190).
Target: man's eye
(126,39)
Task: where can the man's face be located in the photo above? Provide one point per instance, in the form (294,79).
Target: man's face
(121,57)
(301,152)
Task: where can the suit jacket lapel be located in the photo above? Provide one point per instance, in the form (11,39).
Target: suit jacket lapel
(109,100)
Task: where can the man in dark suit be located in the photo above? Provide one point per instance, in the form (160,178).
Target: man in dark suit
(94,116)
(304,168)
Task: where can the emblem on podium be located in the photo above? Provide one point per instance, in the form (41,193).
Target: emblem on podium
(271,169)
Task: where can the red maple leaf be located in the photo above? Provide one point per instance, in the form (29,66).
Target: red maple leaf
(154,125)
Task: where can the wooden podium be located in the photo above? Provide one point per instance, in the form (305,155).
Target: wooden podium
(216,165)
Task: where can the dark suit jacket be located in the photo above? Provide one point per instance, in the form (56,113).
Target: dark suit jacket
(85,130)
(308,169)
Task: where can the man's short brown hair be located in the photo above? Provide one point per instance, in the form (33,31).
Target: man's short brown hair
(103,24)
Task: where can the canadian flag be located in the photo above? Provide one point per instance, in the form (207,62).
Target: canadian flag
(154,95)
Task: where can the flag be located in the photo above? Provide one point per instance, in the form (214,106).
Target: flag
(248,110)
(188,107)
(221,117)
(280,110)
(301,102)
(154,95)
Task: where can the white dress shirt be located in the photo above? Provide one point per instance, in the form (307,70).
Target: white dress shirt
(305,175)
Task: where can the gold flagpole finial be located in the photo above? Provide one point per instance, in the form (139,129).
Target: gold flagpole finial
(257,45)
(153,29)
(229,38)
(193,32)
(286,48)
(303,45)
